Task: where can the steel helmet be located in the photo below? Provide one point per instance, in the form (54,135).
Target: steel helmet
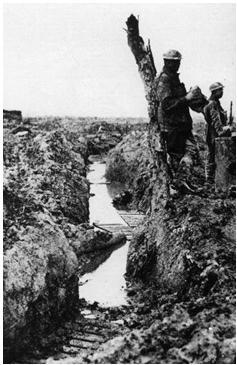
(216,86)
(172,54)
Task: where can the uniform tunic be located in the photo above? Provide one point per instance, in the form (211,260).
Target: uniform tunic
(216,119)
(175,124)
(173,112)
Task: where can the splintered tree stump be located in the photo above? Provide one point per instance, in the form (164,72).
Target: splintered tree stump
(225,159)
(147,70)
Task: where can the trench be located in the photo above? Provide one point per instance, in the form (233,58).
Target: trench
(103,282)
(106,284)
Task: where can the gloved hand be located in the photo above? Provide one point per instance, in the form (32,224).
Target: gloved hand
(194,93)
(227,128)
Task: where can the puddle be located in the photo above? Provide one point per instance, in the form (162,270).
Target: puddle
(106,284)
(100,204)
(104,281)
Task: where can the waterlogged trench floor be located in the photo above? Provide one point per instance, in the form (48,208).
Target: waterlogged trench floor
(106,285)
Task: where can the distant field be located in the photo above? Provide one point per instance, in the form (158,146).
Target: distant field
(85,120)
(113,120)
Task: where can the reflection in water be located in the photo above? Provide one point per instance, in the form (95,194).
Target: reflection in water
(115,188)
(97,258)
(105,284)
(100,205)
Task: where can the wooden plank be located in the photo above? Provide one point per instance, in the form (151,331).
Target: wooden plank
(88,338)
(133,220)
(114,228)
(83,345)
(89,332)
(85,324)
(71,350)
(111,225)
(117,228)
(128,212)
(133,215)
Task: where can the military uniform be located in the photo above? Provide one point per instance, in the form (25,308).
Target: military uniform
(216,119)
(175,123)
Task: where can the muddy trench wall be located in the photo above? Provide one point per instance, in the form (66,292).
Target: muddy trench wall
(177,241)
(46,211)
(45,190)
(184,253)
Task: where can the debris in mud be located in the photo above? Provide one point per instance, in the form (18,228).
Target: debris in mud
(122,200)
(44,186)
(183,310)
(45,235)
(188,251)
(130,162)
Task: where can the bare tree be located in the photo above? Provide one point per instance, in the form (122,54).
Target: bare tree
(147,70)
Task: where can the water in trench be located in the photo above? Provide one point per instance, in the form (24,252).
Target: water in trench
(106,284)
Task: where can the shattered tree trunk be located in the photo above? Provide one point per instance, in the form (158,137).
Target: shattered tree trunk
(147,71)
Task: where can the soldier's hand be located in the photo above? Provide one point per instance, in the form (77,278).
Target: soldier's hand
(227,128)
(226,131)
(191,95)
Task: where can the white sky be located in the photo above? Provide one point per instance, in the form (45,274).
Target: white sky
(73,59)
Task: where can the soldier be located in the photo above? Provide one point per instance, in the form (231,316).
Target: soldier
(216,119)
(175,121)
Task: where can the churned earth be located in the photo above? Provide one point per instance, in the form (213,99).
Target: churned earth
(184,256)
(46,231)
(44,188)
(180,267)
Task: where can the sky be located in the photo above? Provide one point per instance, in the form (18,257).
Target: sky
(73,59)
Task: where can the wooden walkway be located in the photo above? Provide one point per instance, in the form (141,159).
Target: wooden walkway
(132,219)
(81,338)
(85,335)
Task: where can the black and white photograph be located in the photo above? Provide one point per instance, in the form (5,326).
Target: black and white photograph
(119,182)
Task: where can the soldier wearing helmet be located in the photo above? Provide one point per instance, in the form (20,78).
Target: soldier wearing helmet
(174,120)
(216,119)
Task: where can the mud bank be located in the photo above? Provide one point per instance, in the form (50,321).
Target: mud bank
(100,134)
(46,234)
(130,162)
(180,269)
(102,282)
(44,190)
(184,255)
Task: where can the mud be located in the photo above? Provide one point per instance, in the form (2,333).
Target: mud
(180,282)
(184,255)
(46,234)
(130,162)
(44,188)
